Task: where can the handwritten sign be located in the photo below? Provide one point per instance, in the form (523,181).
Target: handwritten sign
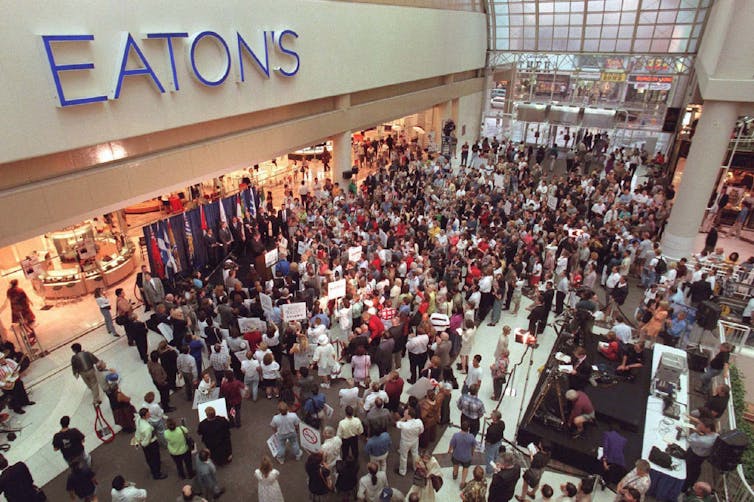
(294,311)
(266,302)
(354,253)
(302,247)
(271,258)
(200,398)
(249,324)
(336,289)
(552,202)
(276,449)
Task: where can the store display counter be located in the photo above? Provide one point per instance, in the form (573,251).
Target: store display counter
(104,272)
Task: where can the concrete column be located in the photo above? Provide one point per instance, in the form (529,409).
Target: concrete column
(708,150)
(341,157)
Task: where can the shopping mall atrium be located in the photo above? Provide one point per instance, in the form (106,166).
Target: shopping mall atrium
(160,136)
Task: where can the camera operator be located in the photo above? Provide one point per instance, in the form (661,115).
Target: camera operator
(584,315)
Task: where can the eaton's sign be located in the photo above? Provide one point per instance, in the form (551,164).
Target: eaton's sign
(207,56)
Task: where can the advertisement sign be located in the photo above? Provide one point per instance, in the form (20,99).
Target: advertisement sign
(651,79)
(613,76)
(336,289)
(294,311)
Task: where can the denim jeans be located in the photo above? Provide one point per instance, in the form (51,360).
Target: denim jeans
(253,385)
(108,320)
(291,438)
(497,307)
(491,451)
(707,377)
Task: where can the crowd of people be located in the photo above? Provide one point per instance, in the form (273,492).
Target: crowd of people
(428,251)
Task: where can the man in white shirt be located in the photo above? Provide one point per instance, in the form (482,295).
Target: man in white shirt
(622,330)
(411,428)
(417,354)
(126,492)
(373,394)
(285,425)
(474,375)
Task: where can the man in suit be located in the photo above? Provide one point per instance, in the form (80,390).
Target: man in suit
(284,216)
(582,369)
(538,317)
(213,247)
(226,238)
(140,285)
(239,236)
(263,225)
(154,292)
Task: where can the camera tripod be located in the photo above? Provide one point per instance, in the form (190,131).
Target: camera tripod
(551,383)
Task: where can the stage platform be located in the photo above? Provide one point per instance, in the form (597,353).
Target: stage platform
(622,403)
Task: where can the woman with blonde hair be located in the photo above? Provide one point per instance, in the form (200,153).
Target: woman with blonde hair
(302,355)
(267,480)
(655,325)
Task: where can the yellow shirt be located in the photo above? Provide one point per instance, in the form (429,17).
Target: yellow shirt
(350,427)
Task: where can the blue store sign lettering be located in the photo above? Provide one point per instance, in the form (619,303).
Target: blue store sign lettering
(280,44)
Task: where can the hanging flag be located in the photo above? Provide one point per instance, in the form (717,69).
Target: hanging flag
(203,218)
(173,247)
(223,218)
(188,234)
(251,204)
(240,212)
(154,251)
(163,244)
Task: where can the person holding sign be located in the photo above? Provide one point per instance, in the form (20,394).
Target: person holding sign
(12,385)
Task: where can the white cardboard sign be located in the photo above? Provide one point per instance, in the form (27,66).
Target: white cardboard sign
(309,438)
(336,289)
(217,404)
(294,311)
(271,258)
(249,324)
(266,302)
(354,253)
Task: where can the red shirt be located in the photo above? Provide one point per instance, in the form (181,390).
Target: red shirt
(232,392)
(581,406)
(474,273)
(393,389)
(611,351)
(254,338)
(376,328)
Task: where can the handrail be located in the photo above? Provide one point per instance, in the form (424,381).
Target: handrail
(735,487)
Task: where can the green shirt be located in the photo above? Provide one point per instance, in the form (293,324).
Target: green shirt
(176,440)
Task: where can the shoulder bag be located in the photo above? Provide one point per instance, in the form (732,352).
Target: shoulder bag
(189,440)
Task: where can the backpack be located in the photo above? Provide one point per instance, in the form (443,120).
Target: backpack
(661,267)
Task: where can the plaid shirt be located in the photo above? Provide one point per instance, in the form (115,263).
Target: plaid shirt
(471,406)
(220,361)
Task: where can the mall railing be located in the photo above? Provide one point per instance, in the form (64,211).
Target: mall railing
(733,485)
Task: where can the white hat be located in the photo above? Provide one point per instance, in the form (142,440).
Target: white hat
(323,340)
(372,311)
